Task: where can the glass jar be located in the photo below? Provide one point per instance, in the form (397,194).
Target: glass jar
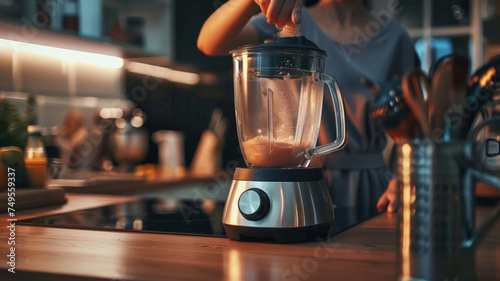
(35,158)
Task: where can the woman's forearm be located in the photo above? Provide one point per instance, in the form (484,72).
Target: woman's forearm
(228,28)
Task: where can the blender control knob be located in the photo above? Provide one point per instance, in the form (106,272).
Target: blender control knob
(254,204)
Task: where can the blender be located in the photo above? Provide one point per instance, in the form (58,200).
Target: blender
(278,102)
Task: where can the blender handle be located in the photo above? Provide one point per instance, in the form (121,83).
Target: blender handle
(340,127)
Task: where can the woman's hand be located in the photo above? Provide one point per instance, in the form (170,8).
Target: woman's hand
(389,200)
(279,12)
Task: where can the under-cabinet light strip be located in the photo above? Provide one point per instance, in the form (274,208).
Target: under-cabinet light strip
(86,57)
(163,73)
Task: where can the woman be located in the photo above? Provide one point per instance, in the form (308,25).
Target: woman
(358,44)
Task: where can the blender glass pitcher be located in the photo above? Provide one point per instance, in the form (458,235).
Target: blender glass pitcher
(278,89)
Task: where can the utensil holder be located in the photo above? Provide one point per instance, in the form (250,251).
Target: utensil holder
(437,218)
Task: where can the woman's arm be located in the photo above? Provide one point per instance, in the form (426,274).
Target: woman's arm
(228,28)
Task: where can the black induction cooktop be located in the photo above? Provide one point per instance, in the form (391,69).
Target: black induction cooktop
(173,216)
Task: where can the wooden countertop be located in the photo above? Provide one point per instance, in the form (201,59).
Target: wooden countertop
(365,252)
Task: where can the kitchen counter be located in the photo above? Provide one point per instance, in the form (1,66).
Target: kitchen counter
(365,252)
(126,184)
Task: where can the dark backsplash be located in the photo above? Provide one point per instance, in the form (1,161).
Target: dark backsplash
(172,106)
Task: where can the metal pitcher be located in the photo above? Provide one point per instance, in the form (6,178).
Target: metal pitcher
(437,215)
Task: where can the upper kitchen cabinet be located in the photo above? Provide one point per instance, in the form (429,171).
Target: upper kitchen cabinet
(148,25)
(138,28)
(146,28)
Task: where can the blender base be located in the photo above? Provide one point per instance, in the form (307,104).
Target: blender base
(281,235)
(288,205)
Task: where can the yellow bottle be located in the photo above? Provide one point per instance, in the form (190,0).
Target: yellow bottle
(35,158)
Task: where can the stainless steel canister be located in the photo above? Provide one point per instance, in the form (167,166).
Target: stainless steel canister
(437,226)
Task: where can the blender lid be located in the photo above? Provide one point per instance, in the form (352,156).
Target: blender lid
(281,57)
(299,43)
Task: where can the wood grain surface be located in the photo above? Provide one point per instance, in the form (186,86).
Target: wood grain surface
(365,252)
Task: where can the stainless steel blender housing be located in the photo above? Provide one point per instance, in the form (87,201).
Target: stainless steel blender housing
(288,205)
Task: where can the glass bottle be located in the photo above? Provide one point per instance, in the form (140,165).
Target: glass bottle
(35,157)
